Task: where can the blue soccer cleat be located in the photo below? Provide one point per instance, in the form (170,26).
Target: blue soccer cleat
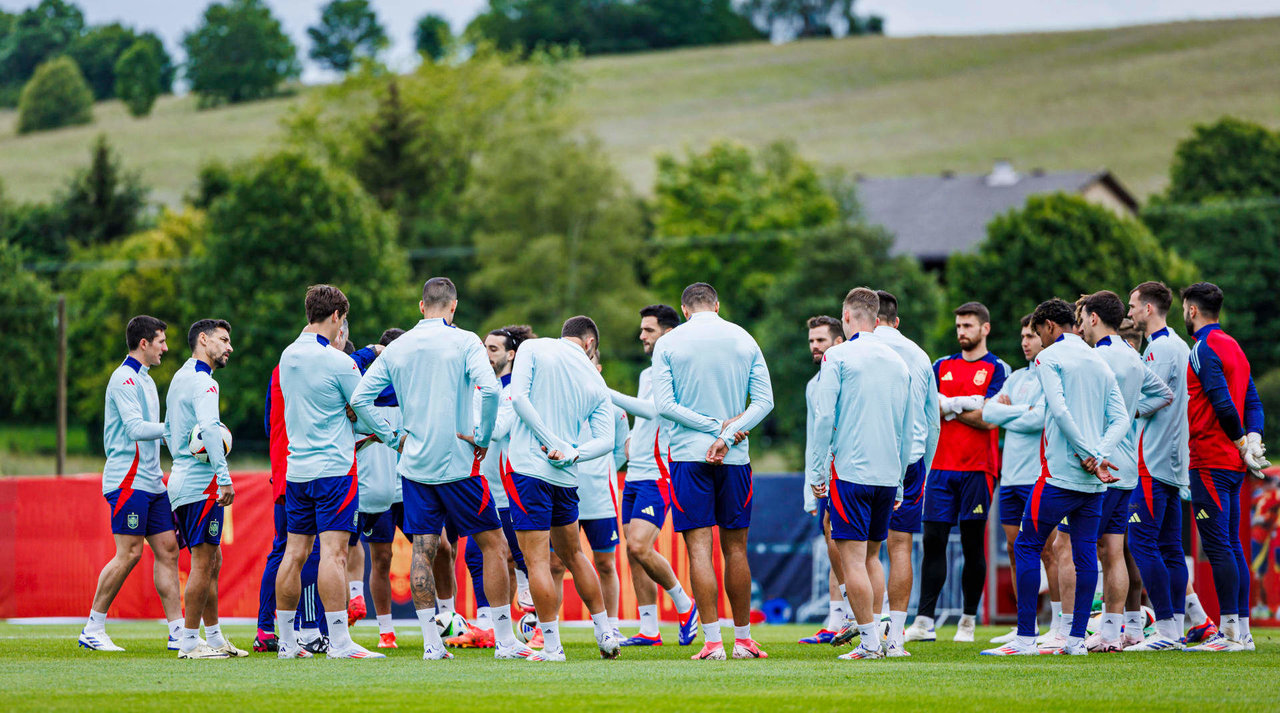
(642,640)
(824,636)
(1200,633)
(689,625)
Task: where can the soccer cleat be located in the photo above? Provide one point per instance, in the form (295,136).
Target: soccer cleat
(1006,638)
(230,650)
(642,640)
(174,643)
(354,651)
(97,641)
(1132,639)
(1098,645)
(1200,633)
(965,630)
(1155,643)
(609,645)
(1076,649)
(203,651)
(284,651)
(847,633)
(747,649)
(861,651)
(1051,643)
(535,641)
(473,638)
(524,600)
(711,651)
(1013,648)
(318,645)
(1218,644)
(431,653)
(824,636)
(895,650)
(264,642)
(545,655)
(387,640)
(1247,644)
(688,625)
(918,632)
(356,609)
(518,651)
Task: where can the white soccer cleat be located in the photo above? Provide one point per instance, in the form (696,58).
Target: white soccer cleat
(1051,643)
(545,655)
(1246,644)
(861,652)
(524,600)
(1217,644)
(292,652)
(230,650)
(895,650)
(1098,645)
(519,651)
(609,645)
(1155,643)
(354,651)
(431,653)
(203,651)
(1006,638)
(1013,648)
(919,632)
(97,641)
(965,630)
(1076,649)
(1132,639)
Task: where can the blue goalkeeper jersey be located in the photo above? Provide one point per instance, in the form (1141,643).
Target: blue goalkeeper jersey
(192,399)
(132,431)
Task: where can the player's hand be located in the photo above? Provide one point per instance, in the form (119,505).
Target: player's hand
(1004,399)
(1255,453)
(740,436)
(819,490)
(468,439)
(377,348)
(717,451)
(351,414)
(1103,472)
(226,493)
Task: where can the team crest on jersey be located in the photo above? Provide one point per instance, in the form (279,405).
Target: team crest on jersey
(980,378)
(214,527)
(132,521)
(946,376)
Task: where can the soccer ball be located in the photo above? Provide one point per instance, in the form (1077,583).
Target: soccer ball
(450,623)
(526,626)
(196,443)
(1148,622)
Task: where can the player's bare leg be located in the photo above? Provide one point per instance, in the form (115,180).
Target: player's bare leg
(706,590)
(443,573)
(875,572)
(356,607)
(854,558)
(639,549)
(297,549)
(205,559)
(610,587)
(737,585)
(422,582)
(117,569)
(164,546)
(380,576)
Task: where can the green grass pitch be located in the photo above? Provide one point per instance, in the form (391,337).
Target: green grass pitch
(42,669)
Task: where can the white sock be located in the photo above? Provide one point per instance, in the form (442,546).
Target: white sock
(925,622)
(1055,617)
(1195,611)
(1110,630)
(500,619)
(1230,626)
(384,624)
(1242,629)
(551,637)
(190,640)
(430,634)
(213,634)
(1168,629)
(649,620)
(175,628)
(1181,621)
(600,622)
(284,627)
(339,636)
(613,622)
(897,623)
(97,621)
(1075,641)
(870,634)
(522,580)
(1064,623)
(742,632)
(1133,622)
(308,634)
(1027,641)
(681,600)
(484,618)
(845,596)
(445,605)
(884,606)
(711,632)
(356,588)
(968,619)
(835,615)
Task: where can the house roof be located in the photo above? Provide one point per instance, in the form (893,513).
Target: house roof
(934,216)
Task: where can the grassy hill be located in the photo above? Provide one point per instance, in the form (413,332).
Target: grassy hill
(1073,100)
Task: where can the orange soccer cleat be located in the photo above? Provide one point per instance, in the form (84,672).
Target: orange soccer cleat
(387,640)
(535,641)
(356,610)
(474,638)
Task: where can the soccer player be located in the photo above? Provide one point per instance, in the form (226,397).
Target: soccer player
(1019,409)
(200,490)
(963,473)
(1087,421)
(925,428)
(435,368)
(1225,417)
(824,332)
(321,492)
(133,485)
(864,421)
(646,496)
(554,389)
(704,373)
(1155,510)
(1144,394)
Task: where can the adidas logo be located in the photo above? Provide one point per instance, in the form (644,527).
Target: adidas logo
(946,376)
(648,511)
(1202,515)
(503,617)
(615,535)
(977,510)
(1134,518)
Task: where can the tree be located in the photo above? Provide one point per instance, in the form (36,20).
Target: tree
(97,51)
(37,34)
(287,222)
(138,78)
(811,18)
(348,31)
(103,202)
(168,70)
(27,311)
(1056,246)
(56,96)
(238,53)
(1229,158)
(432,37)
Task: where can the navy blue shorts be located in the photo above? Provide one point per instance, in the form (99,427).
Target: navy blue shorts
(139,513)
(1113,513)
(199,523)
(705,494)
(464,506)
(322,505)
(646,500)
(954,495)
(602,534)
(824,509)
(377,527)
(539,505)
(1013,502)
(861,512)
(906,517)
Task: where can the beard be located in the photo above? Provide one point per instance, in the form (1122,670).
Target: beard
(1191,329)
(817,357)
(221,362)
(966,343)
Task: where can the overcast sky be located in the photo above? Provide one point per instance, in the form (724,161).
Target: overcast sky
(171,18)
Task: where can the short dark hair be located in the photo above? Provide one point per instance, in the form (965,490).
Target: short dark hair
(1026,319)
(348,347)
(888,306)
(142,327)
(581,327)
(1206,296)
(831,323)
(390,336)
(863,300)
(514,335)
(977,309)
(438,291)
(666,315)
(699,294)
(324,300)
(1107,306)
(1156,294)
(205,326)
(1056,310)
